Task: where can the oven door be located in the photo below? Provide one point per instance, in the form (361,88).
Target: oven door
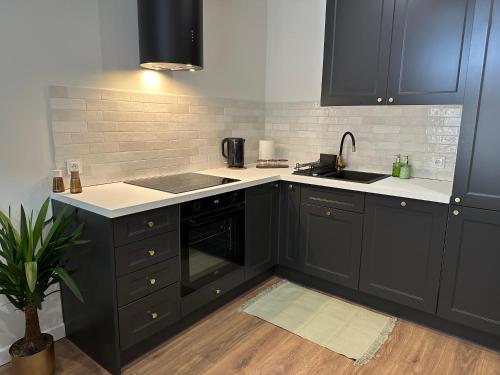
(212,246)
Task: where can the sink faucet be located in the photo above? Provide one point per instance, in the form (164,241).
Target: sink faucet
(340,158)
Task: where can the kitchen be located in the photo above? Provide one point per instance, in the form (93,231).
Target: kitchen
(289,80)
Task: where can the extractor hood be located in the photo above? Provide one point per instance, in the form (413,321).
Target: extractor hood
(171,34)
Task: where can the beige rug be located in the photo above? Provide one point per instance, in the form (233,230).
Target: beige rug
(347,329)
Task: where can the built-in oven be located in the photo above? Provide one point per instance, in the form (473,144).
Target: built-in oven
(212,239)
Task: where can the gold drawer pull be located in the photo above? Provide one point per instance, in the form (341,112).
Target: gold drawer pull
(329,213)
(151,253)
(151,224)
(403,204)
(218,291)
(456,212)
(152,281)
(154,316)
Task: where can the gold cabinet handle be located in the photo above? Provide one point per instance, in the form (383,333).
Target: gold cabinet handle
(403,204)
(458,200)
(154,316)
(391,100)
(290,187)
(217,291)
(329,213)
(379,100)
(152,281)
(151,253)
(151,224)
(456,212)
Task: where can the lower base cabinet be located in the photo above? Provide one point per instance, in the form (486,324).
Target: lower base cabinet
(470,285)
(403,244)
(330,244)
(289,216)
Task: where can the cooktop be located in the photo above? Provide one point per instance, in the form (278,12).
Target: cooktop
(181,183)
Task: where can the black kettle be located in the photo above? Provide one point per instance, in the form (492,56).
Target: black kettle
(235,153)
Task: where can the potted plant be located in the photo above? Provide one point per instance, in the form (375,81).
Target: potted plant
(31,260)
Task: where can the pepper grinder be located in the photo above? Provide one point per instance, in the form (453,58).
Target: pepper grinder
(75,186)
(57,181)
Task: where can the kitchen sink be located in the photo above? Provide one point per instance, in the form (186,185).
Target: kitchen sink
(355,176)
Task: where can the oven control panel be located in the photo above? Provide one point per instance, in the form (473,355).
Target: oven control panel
(205,205)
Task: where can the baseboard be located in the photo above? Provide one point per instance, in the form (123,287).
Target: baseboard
(58,332)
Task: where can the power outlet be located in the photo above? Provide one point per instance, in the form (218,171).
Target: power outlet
(438,162)
(73,165)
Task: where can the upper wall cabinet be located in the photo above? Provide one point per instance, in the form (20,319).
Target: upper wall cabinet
(477,174)
(396,51)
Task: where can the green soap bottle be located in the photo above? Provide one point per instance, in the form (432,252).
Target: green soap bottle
(396,166)
(405,171)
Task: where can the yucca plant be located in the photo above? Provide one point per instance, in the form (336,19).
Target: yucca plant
(31,260)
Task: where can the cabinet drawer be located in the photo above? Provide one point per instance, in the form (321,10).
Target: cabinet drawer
(333,198)
(210,292)
(141,283)
(147,316)
(136,227)
(138,255)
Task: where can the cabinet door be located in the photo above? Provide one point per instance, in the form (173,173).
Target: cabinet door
(289,224)
(470,285)
(330,244)
(356,52)
(477,173)
(429,52)
(402,250)
(261,223)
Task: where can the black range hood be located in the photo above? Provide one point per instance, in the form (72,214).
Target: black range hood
(171,34)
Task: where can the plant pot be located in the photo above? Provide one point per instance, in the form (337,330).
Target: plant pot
(40,363)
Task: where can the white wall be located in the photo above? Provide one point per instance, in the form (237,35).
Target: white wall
(295,36)
(94,43)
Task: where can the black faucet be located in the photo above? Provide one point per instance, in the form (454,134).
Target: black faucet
(340,158)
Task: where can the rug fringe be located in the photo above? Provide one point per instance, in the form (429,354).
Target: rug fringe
(375,346)
(261,294)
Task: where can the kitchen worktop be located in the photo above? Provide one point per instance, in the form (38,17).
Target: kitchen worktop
(120,199)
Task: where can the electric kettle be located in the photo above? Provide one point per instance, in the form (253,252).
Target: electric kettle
(233,149)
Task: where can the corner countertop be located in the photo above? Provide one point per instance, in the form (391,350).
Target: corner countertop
(120,199)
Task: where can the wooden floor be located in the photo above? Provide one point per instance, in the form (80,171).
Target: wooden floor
(230,342)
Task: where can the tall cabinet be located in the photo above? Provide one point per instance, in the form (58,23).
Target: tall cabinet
(470,284)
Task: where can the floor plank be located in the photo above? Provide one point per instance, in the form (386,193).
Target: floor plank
(231,342)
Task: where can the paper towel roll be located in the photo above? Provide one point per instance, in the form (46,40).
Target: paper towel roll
(266,150)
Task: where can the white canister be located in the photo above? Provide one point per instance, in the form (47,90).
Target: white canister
(266,150)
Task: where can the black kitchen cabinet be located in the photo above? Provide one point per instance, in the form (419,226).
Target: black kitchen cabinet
(396,51)
(470,284)
(477,174)
(261,223)
(289,217)
(403,244)
(357,51)
(330,244)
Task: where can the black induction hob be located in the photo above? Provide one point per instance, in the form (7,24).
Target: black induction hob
(181,183)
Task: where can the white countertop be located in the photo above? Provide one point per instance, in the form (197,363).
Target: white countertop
(120,199)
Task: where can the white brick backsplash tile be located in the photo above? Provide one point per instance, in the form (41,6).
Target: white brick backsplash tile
(81,138)
(84,93)
(69,126)
(60,103)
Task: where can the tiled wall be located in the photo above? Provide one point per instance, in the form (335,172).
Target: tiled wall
(303,130)
(120,135)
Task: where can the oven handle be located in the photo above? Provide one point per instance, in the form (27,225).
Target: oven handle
(213,215)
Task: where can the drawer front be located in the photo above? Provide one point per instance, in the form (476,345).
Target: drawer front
(147,316)
(333,198)
(144,282)
(138,255)
(136,227)
(211,292)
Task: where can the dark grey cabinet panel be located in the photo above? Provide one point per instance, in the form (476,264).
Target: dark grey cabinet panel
(261,227)
(356,53)
(142,225)
(430,50)
(145,317)
(139,284)
(330,244)
(403,244)
(470,284)
(289,218)
(334,198)
(477,174)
